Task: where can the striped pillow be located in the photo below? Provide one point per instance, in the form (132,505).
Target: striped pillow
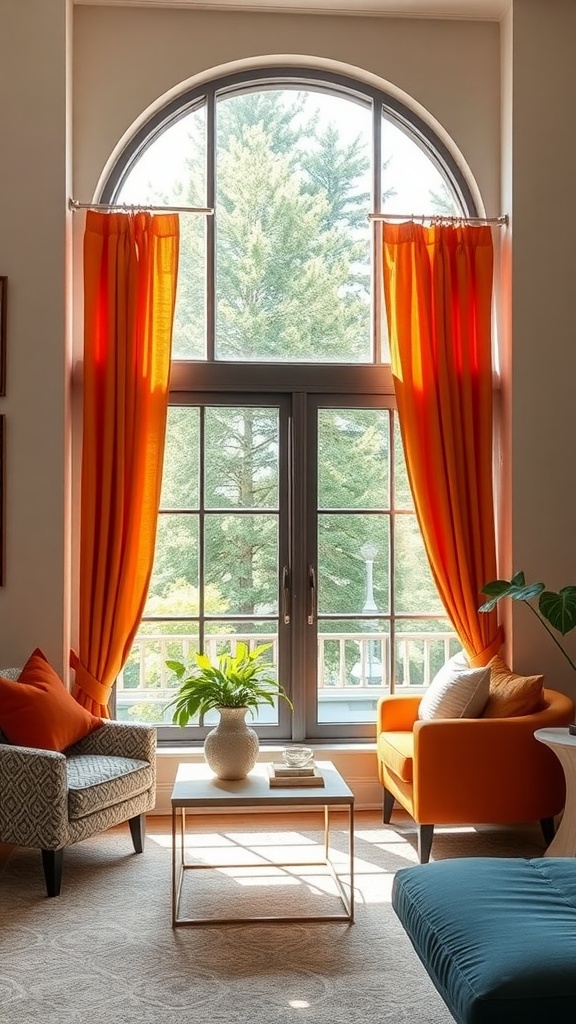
(457,691)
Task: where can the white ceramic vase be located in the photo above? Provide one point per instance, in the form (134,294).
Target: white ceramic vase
(231,749)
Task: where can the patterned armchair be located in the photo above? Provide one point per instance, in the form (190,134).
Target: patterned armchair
(51,800)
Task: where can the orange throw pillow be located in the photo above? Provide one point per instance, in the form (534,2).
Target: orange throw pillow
(512,694)
(38,711)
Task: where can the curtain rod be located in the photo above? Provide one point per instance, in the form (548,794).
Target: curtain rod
(440,218)
(73,204)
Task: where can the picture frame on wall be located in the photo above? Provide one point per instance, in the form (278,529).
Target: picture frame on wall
(3,321)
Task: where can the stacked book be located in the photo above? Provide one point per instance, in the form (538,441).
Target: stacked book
(285,775)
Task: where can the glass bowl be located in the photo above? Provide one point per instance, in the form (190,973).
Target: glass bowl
(297,757)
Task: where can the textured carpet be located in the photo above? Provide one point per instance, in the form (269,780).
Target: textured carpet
(104,951)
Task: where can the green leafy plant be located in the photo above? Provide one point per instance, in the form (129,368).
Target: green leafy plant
(239,680)
(556,610)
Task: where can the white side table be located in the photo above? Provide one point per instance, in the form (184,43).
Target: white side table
(564,746)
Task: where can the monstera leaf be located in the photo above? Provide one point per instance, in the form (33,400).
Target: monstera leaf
(515,588)
(557,609)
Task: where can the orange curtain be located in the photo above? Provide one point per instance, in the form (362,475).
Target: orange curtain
(130,272)
(438,290)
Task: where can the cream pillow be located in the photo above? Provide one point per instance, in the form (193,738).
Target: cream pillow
(457,691)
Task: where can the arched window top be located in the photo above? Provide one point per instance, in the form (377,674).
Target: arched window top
(292,160)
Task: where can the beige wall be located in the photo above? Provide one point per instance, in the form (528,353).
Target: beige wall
(543,465)
(34,115)
(503,288)
(126,59)
(521,153)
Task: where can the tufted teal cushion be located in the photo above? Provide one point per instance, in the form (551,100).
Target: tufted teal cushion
(496,935)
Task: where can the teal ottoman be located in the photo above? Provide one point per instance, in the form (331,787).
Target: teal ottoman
(496,935)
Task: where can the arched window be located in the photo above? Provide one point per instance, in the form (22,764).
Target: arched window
(286,515)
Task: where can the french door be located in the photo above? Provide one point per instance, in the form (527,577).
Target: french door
(286,519)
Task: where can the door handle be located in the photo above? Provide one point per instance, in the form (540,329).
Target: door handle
(285,595)
(311,595)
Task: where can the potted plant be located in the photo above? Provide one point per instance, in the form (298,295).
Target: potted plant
(556,610)
(236,682)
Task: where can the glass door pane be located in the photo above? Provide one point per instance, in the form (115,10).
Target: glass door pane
(375,622)
(220,552)
(353,551)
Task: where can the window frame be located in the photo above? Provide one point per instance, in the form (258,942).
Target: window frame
(298,76)
(192,379)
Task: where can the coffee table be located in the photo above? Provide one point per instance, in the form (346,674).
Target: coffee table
(196,786)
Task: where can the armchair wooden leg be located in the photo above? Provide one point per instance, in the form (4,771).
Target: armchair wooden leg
(388,806)
(425,837)
(548,829)
(52,861)
(138,831)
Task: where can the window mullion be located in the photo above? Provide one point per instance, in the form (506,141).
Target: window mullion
(376,239)
(211,226)
(303,666)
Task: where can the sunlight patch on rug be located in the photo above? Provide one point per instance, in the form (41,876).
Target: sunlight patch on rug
(104,951)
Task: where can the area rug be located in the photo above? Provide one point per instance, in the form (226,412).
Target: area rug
(104,951)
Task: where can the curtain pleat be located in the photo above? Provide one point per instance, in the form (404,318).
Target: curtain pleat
(438,292)
(130,274)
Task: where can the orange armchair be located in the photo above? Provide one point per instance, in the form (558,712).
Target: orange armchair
(469,770)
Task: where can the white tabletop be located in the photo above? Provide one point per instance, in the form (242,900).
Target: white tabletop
(197,786)
(558,736)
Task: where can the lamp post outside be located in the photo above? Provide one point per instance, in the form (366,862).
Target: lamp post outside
(374,668)
(369,552)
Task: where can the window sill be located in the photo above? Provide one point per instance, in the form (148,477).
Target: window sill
(321,750)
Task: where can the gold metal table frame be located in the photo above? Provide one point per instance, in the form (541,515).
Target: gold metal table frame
(197,787)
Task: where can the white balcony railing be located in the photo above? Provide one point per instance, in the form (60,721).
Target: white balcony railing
(350,665)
